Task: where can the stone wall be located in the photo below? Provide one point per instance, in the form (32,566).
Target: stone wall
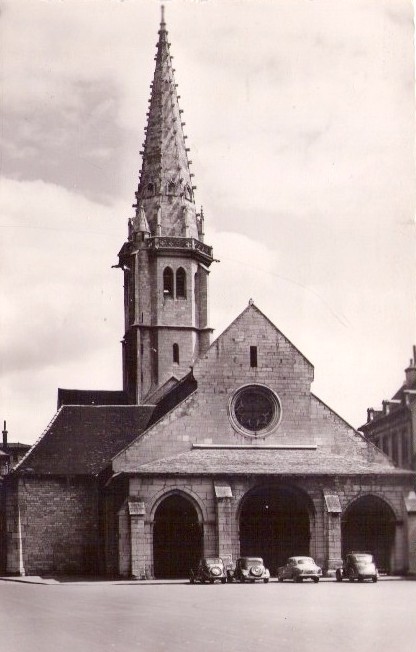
(220,519)
(54,526)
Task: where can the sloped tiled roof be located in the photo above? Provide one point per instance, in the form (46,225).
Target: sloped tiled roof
(82,439)
(227,461)
(173,397)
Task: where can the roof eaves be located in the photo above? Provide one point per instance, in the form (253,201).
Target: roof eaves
(37,442)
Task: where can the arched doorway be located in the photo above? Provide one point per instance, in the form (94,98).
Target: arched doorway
(177,538)
(275,524)
(369,526)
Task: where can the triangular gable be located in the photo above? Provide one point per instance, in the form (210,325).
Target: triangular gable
(205,416)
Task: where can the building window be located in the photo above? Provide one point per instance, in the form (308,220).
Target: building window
(176,353)
(405,450)
(253,356)
(181,283)
(171,188)
(395,448)
(167,282)
(255,410)
(150,188)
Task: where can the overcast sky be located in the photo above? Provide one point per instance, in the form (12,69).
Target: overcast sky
(300,119)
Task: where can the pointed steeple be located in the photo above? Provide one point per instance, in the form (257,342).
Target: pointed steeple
(165,188)
(165,259)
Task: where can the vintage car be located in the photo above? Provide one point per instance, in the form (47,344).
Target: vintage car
(357,566)
(299,569)
(210,569)
(249,569)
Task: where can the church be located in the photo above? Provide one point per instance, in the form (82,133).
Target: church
(211,448)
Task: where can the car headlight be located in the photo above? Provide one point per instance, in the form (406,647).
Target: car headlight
(216,570)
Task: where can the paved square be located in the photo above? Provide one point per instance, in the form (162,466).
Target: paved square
(153,617)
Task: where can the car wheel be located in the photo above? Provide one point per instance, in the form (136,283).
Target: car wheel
(351,576)
(298,580)
(361,579)
(315,579)
(375,578)
(211,581)
(266,580)
(338,575)
(202,581)
(223,580)
(192,581)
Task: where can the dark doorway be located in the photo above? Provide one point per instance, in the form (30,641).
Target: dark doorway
(177,538)
(274,524)
(369,526)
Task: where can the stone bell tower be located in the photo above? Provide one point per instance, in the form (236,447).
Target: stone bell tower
(165,260)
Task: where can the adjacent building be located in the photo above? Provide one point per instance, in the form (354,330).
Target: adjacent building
(210,448)
(393,428)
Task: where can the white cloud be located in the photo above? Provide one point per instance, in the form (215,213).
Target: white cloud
(300,118)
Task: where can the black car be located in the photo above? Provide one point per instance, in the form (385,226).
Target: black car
(249,569)
(357,566)
(210,569)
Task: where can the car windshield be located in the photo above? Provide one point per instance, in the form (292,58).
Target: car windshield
(305,560)
(213,560)
(249,561)
(363,558)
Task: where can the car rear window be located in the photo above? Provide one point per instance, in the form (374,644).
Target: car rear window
(367,558)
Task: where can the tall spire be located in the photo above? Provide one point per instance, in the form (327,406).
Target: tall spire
(165,259)
(165,190)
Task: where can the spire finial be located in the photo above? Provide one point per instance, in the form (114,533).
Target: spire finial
(162,15)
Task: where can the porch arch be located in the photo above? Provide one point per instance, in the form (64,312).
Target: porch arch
(369,524)
(275,522)
(177,535)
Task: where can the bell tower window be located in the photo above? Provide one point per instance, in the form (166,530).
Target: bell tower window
(168,282)
(176,353)
(181,283)
(253,356)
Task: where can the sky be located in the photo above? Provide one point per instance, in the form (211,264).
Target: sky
(300,120)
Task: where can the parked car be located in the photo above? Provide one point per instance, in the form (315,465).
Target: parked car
(299,569)
(357,566)
(210,569)
(249,569)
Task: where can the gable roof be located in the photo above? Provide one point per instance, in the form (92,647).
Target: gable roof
(252,308)
(173,397)
(82,439)
(257,461)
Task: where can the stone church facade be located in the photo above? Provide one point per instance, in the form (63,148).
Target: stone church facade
(209,449)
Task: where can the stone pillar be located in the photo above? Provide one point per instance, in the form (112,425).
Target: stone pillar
(410,502)
(124,553)
(137,514)
(14,563)
(224,498)
(332,533)
(399,555)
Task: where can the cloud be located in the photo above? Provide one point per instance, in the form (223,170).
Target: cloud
(300,119)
